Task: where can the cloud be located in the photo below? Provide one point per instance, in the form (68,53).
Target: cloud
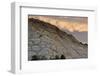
(70,24)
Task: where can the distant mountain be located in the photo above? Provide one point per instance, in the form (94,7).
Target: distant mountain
(46,41)
(80,36)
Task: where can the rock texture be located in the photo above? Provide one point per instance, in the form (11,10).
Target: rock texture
(46,41)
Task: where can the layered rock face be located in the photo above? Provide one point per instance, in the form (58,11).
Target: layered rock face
(47,42)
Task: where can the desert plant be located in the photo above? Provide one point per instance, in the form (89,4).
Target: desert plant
(35,57)
(63,57)
(43,58)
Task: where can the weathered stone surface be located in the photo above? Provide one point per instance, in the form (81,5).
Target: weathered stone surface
(30,54)
(36,41)
(30,42)
(36,48)
(29,48)
(48,42)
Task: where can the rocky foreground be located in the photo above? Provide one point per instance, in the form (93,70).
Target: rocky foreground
(47,42)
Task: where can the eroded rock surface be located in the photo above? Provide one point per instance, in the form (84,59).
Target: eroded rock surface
(46,41)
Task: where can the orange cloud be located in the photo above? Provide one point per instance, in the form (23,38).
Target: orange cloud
(64,25)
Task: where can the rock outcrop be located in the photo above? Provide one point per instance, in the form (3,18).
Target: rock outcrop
(46,41)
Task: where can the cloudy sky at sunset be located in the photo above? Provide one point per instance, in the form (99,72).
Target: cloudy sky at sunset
(77,26)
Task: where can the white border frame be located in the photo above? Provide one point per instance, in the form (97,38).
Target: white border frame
(16,61)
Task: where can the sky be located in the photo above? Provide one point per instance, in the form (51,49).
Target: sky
(77,26)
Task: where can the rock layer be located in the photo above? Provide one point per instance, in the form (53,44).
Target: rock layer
(46,41)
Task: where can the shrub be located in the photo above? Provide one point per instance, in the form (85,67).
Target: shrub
(43,58)
(63,57)
(35,57)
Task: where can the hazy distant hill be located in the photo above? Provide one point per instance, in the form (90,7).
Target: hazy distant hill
(46,41)
(81,36)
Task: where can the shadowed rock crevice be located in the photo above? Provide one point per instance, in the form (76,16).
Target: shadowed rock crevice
(47,42)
